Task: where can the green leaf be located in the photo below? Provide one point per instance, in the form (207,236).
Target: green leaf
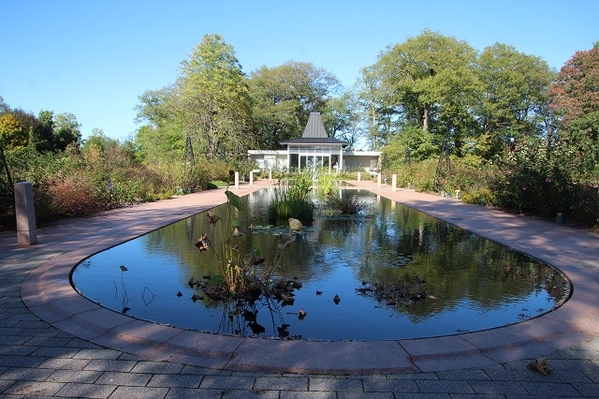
(234,200)
(236,223)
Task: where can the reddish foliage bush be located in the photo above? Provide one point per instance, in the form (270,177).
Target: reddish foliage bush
(71,197)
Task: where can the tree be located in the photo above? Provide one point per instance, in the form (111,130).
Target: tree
(3,106)
(213,99)
(380,118)
(67,130)
(209,103)
(343,120)
(575,97)
(163,134)
(43,136)
(284,97)
(154,107)
(512,106)
(30,128)
(432,79)
(12,134)
(98,141)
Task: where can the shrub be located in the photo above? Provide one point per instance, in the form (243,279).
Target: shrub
(71,197)
(418,175)
(348,204)
(482,196)
(215,169)
(326,184)
(293,201)
(584,205)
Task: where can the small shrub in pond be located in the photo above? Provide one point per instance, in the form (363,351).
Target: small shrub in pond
(326,184)
(293,201)
(345,205)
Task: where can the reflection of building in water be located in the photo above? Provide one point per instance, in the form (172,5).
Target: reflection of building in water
(315,149)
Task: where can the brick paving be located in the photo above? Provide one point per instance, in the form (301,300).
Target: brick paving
(39,360)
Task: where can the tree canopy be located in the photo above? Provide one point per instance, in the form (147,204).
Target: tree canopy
(209,104)
(285,96)
(45,132)
(575,98)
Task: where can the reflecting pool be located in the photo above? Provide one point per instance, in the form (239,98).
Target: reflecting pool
(459,281)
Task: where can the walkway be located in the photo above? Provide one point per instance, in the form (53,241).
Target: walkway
(55,343)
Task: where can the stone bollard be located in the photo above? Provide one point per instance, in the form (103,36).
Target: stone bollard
(236,180)
(25,212)
(378,180)
(394,182)
(359,176)
(251,177)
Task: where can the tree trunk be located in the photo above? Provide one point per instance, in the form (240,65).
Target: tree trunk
(425,116)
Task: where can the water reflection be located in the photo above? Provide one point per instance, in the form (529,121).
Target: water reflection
(389,273)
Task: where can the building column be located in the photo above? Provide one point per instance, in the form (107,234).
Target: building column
(340,166)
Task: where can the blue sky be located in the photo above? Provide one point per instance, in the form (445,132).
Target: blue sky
(93,58)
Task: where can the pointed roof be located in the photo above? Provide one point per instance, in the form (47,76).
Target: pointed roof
(315,128)
(314,133)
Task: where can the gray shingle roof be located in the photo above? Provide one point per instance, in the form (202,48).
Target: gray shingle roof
(314,133)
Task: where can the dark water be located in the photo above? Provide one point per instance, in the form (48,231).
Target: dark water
(471,283)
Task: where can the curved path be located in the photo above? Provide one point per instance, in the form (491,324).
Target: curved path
(53,342)
(48,293)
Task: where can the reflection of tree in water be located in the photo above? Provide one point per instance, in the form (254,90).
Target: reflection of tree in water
(414,264)
(434,259)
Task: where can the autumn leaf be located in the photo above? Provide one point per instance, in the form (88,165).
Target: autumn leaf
(301,314)
(202,243)
(540,365)
(212,218)
(256,260)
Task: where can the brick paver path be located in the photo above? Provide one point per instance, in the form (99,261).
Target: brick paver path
(38,360)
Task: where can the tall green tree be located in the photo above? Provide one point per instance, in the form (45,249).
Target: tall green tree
(343,120)
(512,106)
(163,133)
(209,103)
(380,116)
(432,79)
(284,97)
(212,98)
(575,97)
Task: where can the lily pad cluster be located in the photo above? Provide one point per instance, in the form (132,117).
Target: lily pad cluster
(392,294)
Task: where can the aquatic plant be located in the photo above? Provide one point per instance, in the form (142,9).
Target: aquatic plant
(293,201)
(345,205)
(242,276)
(326,184)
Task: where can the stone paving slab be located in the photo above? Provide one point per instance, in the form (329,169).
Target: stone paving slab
(143,358)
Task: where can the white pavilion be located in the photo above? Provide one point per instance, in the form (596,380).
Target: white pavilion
(315,149)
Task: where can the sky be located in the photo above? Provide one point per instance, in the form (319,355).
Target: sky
(94,58)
